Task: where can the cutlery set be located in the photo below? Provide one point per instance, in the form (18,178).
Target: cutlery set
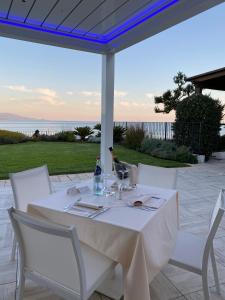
(91,212)
(143,207)
(87,212)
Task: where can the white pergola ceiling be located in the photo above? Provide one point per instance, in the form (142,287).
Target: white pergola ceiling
(101,26)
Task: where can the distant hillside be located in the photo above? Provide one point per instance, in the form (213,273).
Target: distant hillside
(12,118)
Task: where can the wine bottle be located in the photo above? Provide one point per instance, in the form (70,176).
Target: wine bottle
(115,159)
(98,168)
(120,168)
(98,180)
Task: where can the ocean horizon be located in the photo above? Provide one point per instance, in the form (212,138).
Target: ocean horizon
(45,127)
(51,127)
(154,129)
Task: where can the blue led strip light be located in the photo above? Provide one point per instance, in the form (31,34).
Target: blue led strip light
(101,39)
(141,21)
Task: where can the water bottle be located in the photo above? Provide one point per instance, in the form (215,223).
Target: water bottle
(98,179)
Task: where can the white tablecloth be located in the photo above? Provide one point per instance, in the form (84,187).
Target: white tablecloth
(141,241)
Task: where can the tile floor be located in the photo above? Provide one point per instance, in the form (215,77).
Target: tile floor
(198,189)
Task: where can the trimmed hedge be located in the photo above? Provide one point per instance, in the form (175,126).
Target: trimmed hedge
(197,123)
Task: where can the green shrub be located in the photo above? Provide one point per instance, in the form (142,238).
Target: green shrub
(97,126)
(118,134)
(184,155)
(167,150)
(12,137)
(197,123)
(134,137)
(65,136)
(83,132)
(149,144)
(48,138)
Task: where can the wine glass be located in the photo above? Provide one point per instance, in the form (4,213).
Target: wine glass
(122,176)
(107,187)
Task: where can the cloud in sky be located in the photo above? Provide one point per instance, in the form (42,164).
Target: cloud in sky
(44,94)
(12,98)
(132,104)
(149,95)
(48,95)
(117,93)
(125,103)
(97,103)
(120,93)
(90,93)
(70,93)
(18,88)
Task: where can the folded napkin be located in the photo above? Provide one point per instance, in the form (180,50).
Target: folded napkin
(147,201)
(89,205)
(73,191)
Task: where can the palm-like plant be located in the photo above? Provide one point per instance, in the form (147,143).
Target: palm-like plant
(83,132)
(98,126)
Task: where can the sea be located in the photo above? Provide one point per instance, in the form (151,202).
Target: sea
(154,129)
(45,127)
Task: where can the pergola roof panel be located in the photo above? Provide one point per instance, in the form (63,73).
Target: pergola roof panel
(39,13)
(100,26)
(82,12)
(60,12)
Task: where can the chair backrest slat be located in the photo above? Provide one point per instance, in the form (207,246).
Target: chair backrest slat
(217,214)
(29,186)
(157,176)
(219,205)
(42,243)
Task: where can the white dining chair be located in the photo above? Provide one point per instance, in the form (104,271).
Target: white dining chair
(52,256)
(192,251)
(28,186)
(157,176)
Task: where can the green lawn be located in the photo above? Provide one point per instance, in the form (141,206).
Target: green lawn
(66,158)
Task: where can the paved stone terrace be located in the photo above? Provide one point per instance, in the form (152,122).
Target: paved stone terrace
(198,190)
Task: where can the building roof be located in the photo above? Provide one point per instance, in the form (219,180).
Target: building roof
(214,80)
(100,26)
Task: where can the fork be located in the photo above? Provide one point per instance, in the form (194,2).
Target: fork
(143,207)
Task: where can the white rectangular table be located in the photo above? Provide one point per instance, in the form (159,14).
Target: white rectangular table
(141,241)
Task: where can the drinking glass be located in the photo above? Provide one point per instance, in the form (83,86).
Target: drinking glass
(106,183)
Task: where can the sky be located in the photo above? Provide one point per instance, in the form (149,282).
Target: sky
(53,83)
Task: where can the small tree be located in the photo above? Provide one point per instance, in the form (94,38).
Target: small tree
(171,98)
(83,132)
(197,123)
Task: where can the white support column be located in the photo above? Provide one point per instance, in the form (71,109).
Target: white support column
(107,110)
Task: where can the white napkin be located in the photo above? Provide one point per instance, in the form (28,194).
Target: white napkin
(73,191)
(146,200)
(89,205)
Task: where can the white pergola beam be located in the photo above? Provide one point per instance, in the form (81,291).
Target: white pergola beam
(107,107)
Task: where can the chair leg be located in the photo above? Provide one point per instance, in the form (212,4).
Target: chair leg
(13,253)
(205,285)
(215,272)
(20,289)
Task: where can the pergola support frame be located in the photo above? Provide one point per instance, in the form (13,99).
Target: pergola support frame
(107,108)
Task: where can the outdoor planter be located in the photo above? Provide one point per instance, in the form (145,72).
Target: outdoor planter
(200,158)
(219,155)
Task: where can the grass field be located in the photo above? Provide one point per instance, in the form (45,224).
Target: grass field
(66,158)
